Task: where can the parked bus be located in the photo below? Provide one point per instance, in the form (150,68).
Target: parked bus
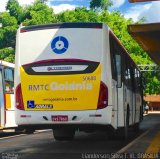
(7,110)
(75,76)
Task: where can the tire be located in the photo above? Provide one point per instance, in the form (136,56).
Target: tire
(29,131)
(141,114)
(136,127)
(62,134)
(24,130)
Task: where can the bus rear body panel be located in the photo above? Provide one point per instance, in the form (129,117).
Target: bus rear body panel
(60,76)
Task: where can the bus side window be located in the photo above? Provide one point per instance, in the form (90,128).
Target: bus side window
(139,81)
(133,82)
(116,61)
(127,74)
(8,80)
(119,71)
(113,60)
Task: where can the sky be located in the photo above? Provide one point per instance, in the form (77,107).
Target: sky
(150,10)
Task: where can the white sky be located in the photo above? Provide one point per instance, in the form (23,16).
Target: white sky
(21,2)
(117,3)
(62,7)
(2,5)
(137,11)
(150,11)
(152,14)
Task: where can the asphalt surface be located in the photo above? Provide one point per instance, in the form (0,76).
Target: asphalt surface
(42,144)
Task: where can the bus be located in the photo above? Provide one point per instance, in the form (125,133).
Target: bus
(75,76)
(7,109)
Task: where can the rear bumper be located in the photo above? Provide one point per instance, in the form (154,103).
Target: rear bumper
(87,117)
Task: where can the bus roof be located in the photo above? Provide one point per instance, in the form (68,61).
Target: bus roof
(61,25)
(148,36)
(4,63)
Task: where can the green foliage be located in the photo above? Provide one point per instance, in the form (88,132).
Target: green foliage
(38,13)
(152,82)
(15,10)
(7,54)
(100,4)
(7,36)
(41,1)
(8,30)
(9,33)
(105,4)
(7,20)
(78,15)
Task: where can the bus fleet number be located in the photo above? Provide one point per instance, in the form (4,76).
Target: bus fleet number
(89,78)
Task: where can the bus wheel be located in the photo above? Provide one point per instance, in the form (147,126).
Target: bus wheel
(29,131)
(136,127)
(141,113)
(62,134)
(126,124)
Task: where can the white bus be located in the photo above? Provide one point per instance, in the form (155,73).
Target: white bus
(7,109)
(75,76)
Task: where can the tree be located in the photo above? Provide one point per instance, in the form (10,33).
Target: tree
(8,30)
(100,4)
(7,54)
(7,20)
(15,10)
(43,1)
(78,15)
(38,13)
(7,36)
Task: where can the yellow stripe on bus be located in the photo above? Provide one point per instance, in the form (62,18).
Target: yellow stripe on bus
(1,127)
(62,92)
(8,101)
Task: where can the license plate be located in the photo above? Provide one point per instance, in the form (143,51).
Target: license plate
(59,118)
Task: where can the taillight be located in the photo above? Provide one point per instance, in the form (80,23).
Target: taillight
(19,98)
(103,96)
(23,31)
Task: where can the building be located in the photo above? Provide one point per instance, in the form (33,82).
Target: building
(153,101)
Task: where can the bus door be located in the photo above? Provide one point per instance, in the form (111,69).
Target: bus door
(2,111)
(9,96)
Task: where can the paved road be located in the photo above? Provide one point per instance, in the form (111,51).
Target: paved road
(42,145)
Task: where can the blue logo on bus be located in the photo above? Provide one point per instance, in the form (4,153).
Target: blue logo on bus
(30,104)
(59,45)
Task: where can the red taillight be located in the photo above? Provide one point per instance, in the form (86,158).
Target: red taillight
(19,98)
(23,31)
(103,96)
